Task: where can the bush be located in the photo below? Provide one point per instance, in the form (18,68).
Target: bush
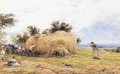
(118,50)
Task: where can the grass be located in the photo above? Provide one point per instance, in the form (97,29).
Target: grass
(82,60)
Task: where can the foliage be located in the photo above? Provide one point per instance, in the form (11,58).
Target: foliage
(46,32)
(6,20)
(118,50)
(78,40)
(2,36)
(57,26)
(20,38)
(33,30)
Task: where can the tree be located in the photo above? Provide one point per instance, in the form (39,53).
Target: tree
(2,35)
(57,26)
(46,32)
(6,20)
(20,38)
(33,30)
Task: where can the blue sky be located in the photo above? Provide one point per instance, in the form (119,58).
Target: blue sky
(93,20)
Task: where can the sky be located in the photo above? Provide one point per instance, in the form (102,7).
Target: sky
(92,20)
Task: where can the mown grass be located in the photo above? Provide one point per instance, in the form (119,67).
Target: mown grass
(82,60)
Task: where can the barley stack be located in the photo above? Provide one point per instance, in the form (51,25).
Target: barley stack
(60,42)
(30,41)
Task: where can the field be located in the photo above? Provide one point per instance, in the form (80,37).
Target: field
(81,63)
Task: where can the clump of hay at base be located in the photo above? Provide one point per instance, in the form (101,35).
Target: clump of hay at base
(59,43)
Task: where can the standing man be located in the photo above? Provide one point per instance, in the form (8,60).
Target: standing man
(95,50)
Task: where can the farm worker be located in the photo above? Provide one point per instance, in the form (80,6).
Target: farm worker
(95,50)
(2,54)
(31,48)
(47,32)
(13,62)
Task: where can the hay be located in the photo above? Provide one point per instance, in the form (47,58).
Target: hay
(30,41)
(44,71)
(59,43)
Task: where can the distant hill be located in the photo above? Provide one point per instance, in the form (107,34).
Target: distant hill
(102,45)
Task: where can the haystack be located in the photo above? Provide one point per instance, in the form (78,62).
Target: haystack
(30,41)
(60,43)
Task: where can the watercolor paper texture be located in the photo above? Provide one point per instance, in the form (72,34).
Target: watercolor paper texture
(60,36)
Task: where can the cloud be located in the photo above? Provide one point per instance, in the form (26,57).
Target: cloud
(81,14)
(101,32)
